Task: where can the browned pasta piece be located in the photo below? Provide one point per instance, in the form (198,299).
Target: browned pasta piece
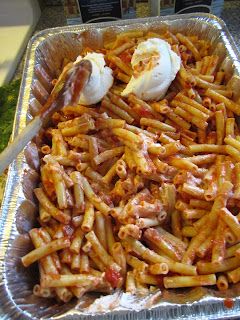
(222,283)
(223,266)
(121,65)
(149,255)
(121,48)
(89,216)
(49,266)
(69,280)
(118,111)
(234,107)
(100,229)
(108,154)
(130,283)
(231,221)
(219,203)
(190,118)
(207,148)
(203,83)
(178,120)
(92,197)
(49,207)
(230,123)
(117,100)
(188,43)
(101,252)
(200,115)
(45,250)
(219,243)
(187,281)
(156,124)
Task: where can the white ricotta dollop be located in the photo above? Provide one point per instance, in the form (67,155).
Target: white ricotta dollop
(155,66)
(100,81)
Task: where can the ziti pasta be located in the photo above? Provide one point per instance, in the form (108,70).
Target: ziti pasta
(142,194)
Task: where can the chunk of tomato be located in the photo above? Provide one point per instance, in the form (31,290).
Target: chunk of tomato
(113,277)
(125,57)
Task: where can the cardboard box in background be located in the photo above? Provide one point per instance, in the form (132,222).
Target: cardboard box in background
(71,11)
(86,11)
(169,7)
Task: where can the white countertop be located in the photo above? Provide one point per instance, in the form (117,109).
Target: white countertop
(18,19)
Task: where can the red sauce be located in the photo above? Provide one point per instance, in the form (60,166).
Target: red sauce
(113,277)
(125,57)
(142,111)
(160,281)
(48,186)
(228,303)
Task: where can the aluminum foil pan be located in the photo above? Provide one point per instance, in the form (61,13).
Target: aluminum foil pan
(45,55)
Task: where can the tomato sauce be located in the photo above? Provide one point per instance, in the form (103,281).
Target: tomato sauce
(113,277)
(142,111)
(228,303)
(125,57)
(160,281)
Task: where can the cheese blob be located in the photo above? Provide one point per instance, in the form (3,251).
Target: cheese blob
(100,81)
(154,66)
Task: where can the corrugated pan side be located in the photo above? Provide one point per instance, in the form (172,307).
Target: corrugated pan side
(45,54)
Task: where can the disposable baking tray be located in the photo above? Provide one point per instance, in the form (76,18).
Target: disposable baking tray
(45,54)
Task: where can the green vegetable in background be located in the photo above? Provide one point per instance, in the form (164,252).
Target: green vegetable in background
(8,102)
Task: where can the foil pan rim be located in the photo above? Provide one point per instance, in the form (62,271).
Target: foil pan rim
(76,28)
